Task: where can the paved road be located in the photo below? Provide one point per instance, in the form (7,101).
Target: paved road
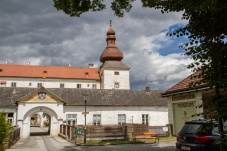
(50,143)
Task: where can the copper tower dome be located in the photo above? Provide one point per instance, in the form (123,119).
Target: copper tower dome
(111,53)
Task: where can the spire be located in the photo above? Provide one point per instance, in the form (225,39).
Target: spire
(111,52)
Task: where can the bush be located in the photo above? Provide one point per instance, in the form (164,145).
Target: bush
(4,130)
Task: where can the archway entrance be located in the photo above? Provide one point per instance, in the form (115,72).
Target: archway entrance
(40,124)
(40,121)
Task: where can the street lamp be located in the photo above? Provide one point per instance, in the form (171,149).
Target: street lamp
(85,113)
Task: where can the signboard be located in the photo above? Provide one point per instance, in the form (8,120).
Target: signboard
(85,112)
(183,97)
(165,129)
(79,132)
(186,104)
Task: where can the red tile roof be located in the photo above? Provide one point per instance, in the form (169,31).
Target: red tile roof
(62,72)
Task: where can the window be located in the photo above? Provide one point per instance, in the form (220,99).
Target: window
(78,85)
(121,119)
(145,119)
(10,114)
(71,119)
(116,73)
(96,119)
(10,118)
(94,86)
(13,84)
(116,85)
(88,85)
(62,85)
(39,85)
(30,84)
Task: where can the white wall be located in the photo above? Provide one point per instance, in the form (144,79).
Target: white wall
(197,99)
(158,116)
(109,79)
(49,83)
(26,110)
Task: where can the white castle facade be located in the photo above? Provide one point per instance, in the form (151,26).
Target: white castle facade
(33,95)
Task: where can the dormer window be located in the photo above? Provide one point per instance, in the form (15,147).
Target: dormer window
(1,70)
(116,73)
(86,73)
(44,71)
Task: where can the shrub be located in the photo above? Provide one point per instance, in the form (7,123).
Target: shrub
(4,131)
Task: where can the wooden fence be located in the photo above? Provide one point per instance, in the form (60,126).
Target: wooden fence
(14,136)
(103,132)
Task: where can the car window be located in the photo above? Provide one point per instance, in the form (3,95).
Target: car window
(207,129)
(191,128)
(225,126)
(215,131)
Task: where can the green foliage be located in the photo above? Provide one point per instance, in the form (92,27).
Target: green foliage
(78,7)
(4,130)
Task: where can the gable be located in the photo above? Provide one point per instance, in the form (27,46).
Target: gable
(41,95)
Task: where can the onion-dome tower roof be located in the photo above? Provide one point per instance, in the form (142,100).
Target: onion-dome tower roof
(111,53)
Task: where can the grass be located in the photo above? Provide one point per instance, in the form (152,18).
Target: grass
(117,142)
(167,138)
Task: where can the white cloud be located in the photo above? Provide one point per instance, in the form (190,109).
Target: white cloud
(38,33)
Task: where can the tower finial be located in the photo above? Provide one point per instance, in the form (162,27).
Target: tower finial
(110,22)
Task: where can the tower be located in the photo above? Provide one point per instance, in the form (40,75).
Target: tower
(114,74)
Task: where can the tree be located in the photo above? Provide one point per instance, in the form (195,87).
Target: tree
(206,31)
(4,130)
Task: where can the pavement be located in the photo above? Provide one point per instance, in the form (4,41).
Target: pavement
(56,143)
(50,143)
(41,143)
(38,129)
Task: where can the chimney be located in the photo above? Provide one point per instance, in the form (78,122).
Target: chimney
(90,65)
(2,82)
(148,89)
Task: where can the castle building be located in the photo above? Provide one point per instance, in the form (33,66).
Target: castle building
(32,95)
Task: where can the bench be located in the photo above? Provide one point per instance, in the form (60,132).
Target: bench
(150,134)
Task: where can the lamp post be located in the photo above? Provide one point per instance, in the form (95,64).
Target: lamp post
(85,114)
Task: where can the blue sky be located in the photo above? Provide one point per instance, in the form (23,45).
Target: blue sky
(35,32)
(172,46)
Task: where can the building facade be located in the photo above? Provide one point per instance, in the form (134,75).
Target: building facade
(53,95)
(186,103)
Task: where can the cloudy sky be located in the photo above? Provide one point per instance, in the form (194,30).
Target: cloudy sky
(34,31)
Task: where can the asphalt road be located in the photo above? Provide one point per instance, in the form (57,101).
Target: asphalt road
(50,143)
